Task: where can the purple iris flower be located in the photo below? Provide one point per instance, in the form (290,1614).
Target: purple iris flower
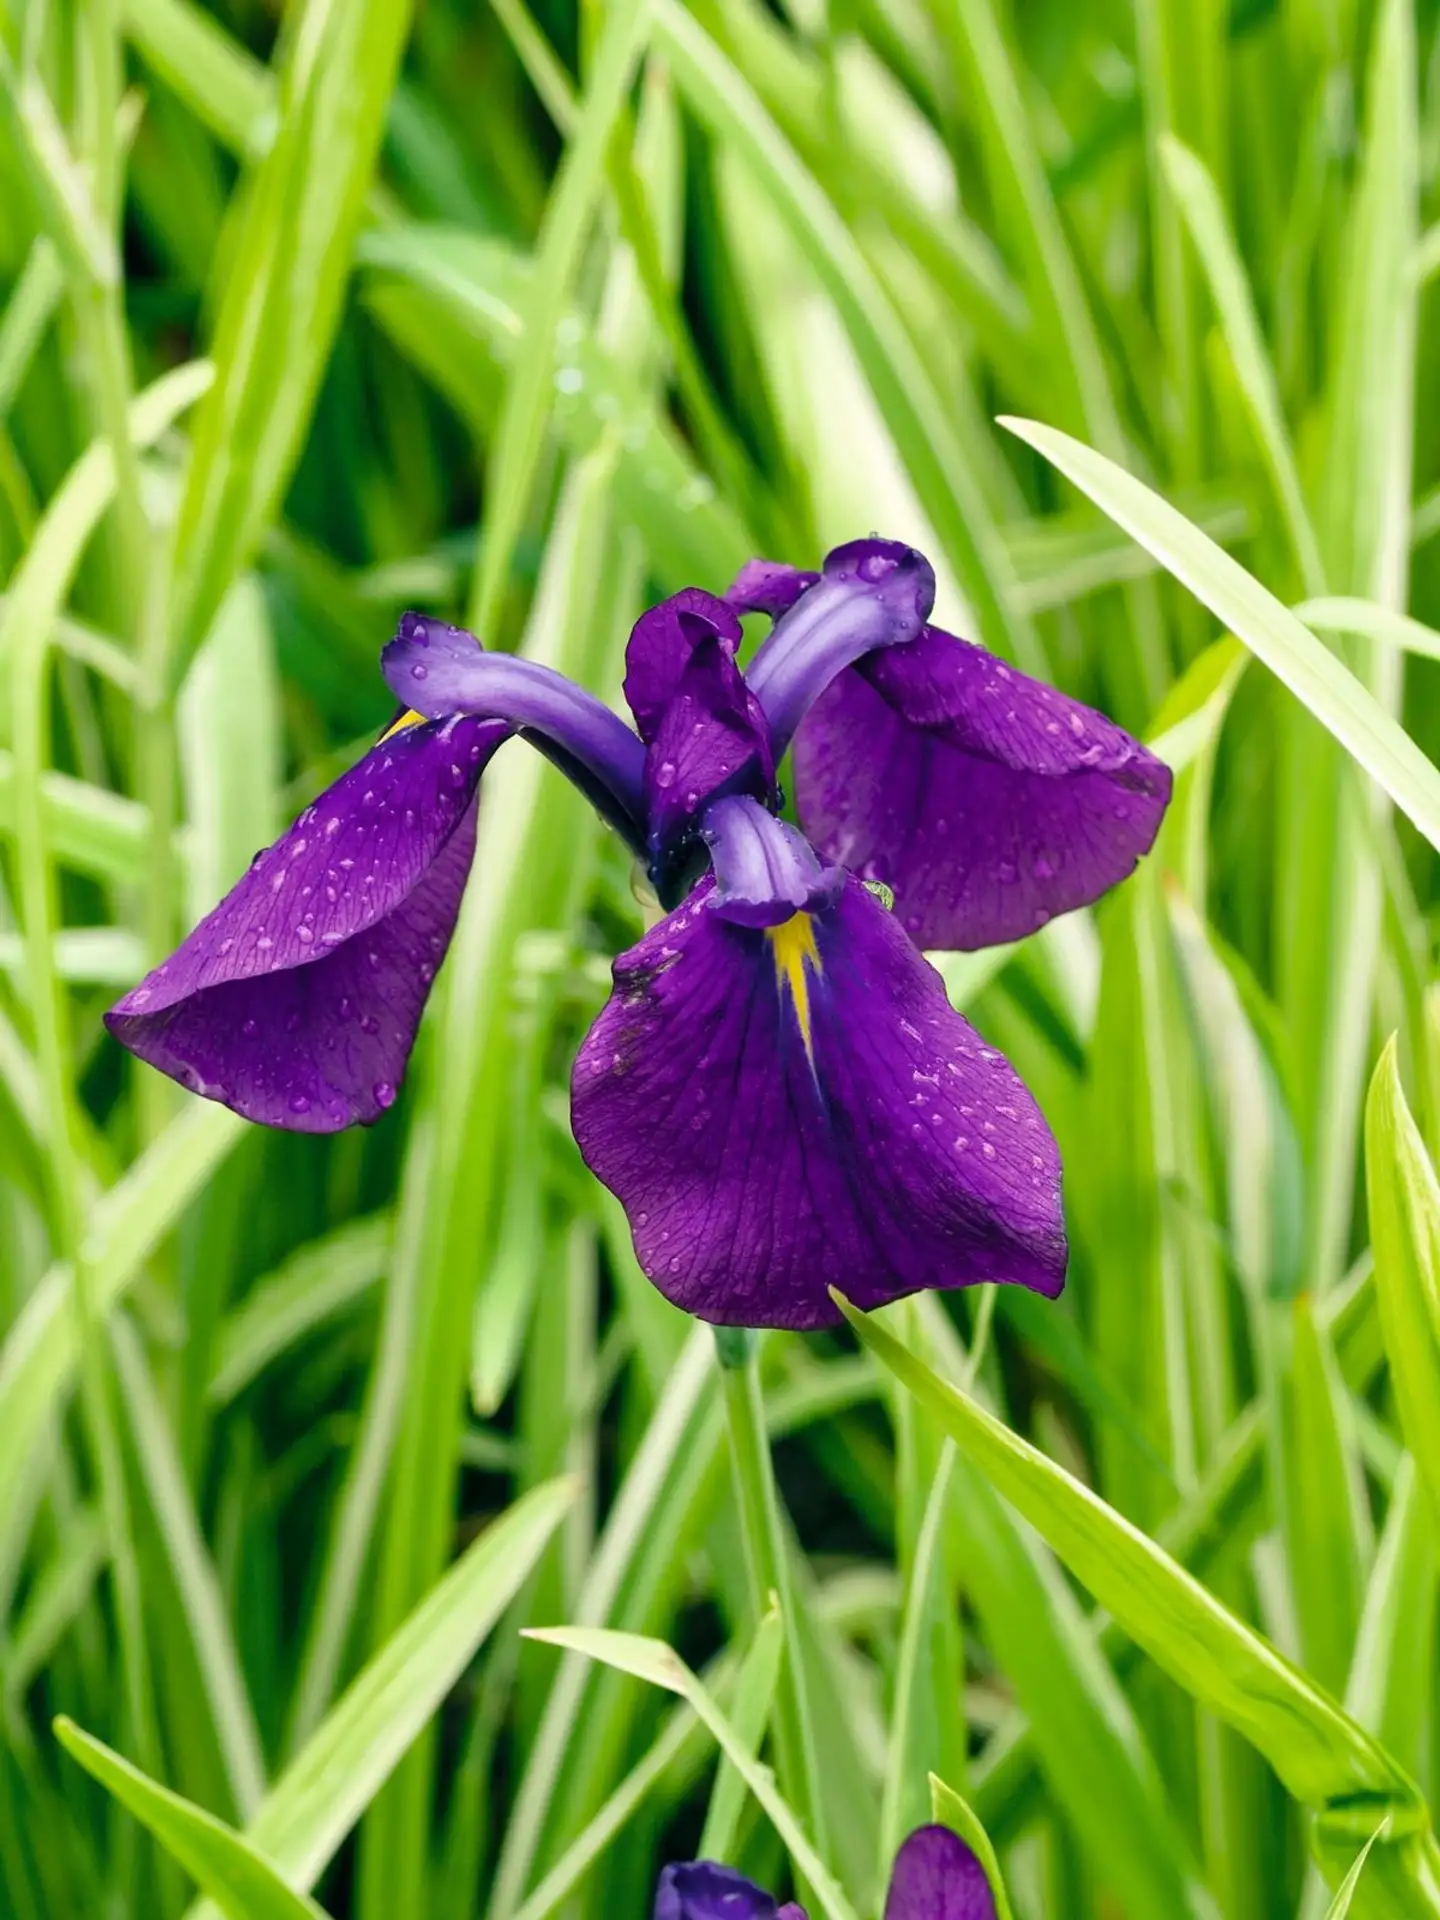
(778,1090)
(936,1877)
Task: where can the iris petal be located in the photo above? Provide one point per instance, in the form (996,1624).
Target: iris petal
(710,740)
(765,872)
(787,1109)
(937,1877)
(701,1890)
(660,645)
(871,594)
(296,1001)
(988,801)
(768,586)
(440,670)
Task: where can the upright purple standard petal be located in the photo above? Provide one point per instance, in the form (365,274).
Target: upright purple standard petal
(988,801)
(768,586)
(710,740)
(786,1109)
(871,594)
(660,645)
(937,1877)
(297,999)
(700,1890)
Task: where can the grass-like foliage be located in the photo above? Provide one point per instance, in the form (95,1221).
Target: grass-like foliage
(1119,309)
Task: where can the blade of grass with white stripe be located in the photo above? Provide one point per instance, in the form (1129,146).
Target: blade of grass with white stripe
(322,1278)
(661,1666)
(913,410)
(230,1714)
(578,190)
(38,1359)
(1204,211)
(1339,701)
(1328,1763)
(285,278)
(330,1782)
(237,1876)
(1405,1223)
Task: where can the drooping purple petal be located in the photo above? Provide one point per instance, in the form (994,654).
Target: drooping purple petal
(872,594)
(660,645)
(765,872)
(937,1877)
(988,801)
(710,740)
(296,1001)
(787,1109)
(439,670)
(768,586)
(701,1890)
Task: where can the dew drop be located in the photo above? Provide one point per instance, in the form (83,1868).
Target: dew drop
(384,1093)
(875,566)
(665,774)
(1042,868)
(307,934)
(250,1028)
(345,1006)
(419,672)
(299,1103)
(987,1149)
(368,1023)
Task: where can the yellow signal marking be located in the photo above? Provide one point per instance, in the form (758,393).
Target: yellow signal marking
(410,719)
(792,946)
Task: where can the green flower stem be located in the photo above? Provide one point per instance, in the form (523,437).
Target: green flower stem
(767,1564)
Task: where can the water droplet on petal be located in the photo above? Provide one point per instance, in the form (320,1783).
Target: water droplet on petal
(419,672)
(384,1093)
(298,1103)
(250,1028)
(665,774)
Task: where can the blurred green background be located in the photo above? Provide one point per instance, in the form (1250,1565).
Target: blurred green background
(528,317)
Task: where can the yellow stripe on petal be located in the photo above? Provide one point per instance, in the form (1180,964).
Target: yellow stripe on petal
(792,945)
(410,719)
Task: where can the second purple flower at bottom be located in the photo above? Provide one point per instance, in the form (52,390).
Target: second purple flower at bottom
(936,1877)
